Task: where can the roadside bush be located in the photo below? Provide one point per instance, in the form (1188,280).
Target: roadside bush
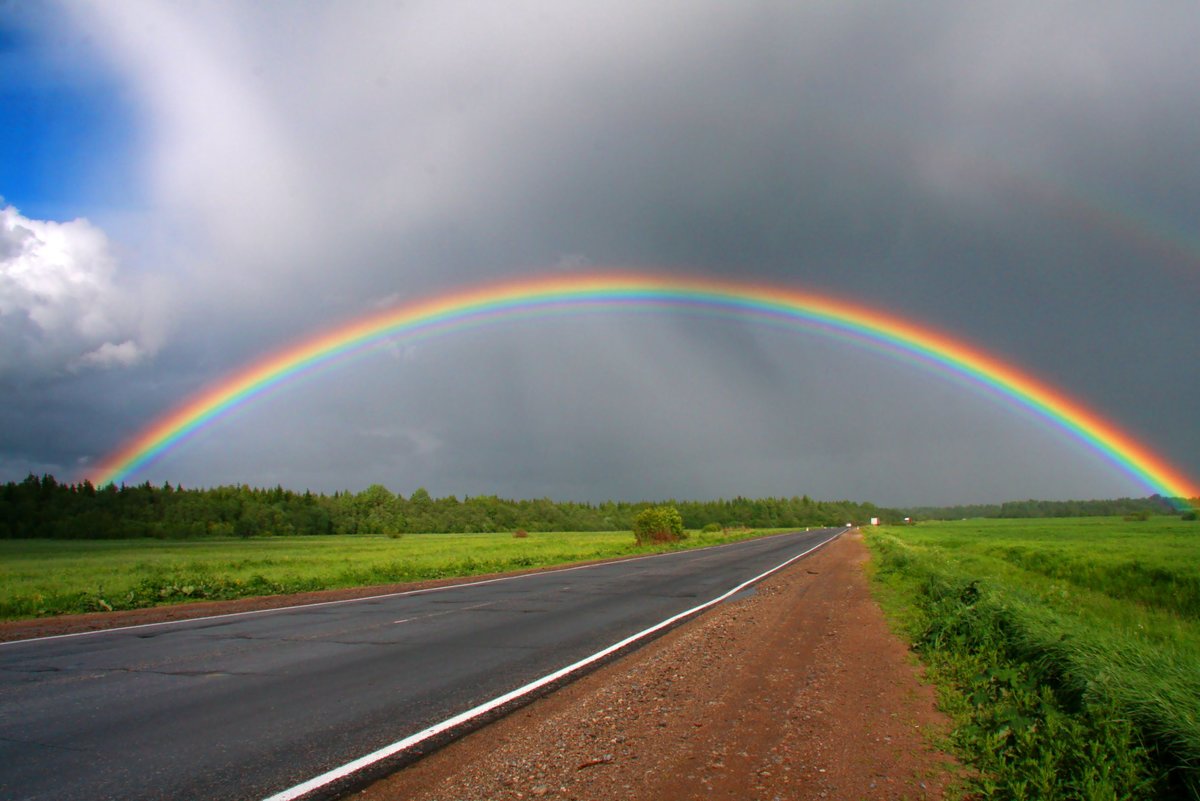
(711,528)
(658,524)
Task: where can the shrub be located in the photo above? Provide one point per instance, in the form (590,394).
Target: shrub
(658,524)
(711,528)
(520,534)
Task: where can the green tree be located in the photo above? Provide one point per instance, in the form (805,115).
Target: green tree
(658,524)
(377,511)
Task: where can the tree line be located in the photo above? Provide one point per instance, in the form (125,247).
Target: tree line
(44,507)
(1127,507)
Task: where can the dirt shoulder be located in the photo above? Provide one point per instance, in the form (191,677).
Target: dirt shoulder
(798,691)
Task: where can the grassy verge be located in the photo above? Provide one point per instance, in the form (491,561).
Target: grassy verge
(1068,652)
(51,577)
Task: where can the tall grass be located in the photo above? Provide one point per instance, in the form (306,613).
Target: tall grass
(49,577)
(1068,651)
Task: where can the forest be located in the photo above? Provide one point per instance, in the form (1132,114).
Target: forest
(45,507)
(1121,507)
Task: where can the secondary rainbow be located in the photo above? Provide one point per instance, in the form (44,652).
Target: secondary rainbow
(613,291)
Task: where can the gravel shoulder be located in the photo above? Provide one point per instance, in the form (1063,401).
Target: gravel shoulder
(797,691)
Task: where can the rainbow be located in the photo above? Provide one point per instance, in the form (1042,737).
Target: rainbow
(570,294)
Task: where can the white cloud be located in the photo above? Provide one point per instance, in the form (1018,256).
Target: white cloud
(218,157)
(61,306)
(314,150)
(109,355)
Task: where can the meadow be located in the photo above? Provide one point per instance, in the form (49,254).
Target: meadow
(1067,650)
(47,577)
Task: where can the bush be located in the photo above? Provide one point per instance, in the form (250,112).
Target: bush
(711,528)
(658,524)
(520,534)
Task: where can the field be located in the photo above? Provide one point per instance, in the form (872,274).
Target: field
(1068,650)
(47,577)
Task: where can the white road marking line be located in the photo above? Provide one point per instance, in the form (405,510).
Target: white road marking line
(444,587)
(356,765)
(446,612)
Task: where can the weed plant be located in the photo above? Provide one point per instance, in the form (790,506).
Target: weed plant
(1068,652)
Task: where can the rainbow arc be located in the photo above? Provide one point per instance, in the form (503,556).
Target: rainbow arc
(493,303)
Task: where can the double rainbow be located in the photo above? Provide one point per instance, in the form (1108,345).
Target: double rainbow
(609,291)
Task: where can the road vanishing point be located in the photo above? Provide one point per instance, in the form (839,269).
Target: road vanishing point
(307,702)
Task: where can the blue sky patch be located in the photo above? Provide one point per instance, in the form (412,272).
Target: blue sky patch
(68,130)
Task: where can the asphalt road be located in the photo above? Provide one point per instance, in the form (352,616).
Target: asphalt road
(245,707)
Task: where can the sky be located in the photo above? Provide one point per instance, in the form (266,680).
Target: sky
(187,187)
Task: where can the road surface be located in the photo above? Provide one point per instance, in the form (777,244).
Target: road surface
(248,706)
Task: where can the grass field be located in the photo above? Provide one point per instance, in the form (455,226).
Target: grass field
(47,577)
(1068,650)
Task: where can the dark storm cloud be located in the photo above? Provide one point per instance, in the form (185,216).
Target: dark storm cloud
(1006,172)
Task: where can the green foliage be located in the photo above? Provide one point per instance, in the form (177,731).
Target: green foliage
(1068,651)
(1153,505)
(658,524)
(42,507)
(711,528)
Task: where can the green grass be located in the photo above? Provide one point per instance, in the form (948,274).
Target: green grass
(49,577)
(1068,651)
